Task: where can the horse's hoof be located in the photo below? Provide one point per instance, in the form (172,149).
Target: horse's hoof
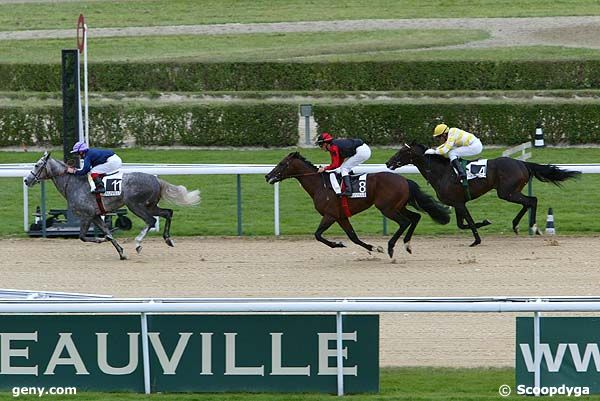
(169,242)
(534,229)
(408,248)
(516,230)
(138,249)
(391,252)
(379,249)
(475,243)
(340,245)
(486,222)
(123,257)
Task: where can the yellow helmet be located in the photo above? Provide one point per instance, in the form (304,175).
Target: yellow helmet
(440,129)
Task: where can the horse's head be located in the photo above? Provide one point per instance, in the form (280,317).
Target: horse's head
(407,154)
(39,171)
(44,168)
(288,167)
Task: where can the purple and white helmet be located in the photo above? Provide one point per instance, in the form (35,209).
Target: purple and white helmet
(80,146)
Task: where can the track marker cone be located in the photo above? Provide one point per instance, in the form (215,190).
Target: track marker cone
(550,223)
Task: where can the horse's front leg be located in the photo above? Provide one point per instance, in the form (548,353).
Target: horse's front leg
(108,236)
(84,226)
(349,230)
(463,213)
(326,222)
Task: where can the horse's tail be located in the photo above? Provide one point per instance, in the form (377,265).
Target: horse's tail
(178,194)
(439,212)
(550,173)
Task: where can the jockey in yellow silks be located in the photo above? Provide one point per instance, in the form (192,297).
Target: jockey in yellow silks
(456,143)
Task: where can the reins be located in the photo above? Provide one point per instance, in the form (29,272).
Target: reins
(302,175)
(427,164)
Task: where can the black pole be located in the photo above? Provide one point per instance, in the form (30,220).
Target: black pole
(70,95)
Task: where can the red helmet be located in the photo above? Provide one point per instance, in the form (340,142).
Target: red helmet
(324,138)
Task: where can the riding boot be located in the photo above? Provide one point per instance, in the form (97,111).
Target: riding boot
(99,184)
(347,187)
(462,174)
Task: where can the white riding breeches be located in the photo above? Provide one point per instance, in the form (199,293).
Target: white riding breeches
(473,149)
(363,152)
(112,164)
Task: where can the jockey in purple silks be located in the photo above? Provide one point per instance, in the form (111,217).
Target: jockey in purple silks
(98,162)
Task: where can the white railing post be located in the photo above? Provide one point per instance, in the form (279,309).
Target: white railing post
(537,351)
(145,353)
(276,206)
(339,334)
(25,207)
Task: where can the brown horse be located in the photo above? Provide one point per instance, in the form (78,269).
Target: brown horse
(508,176)
(389,192)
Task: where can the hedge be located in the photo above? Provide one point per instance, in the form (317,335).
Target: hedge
(502,124)
(193,125)
(277,125)
(363,76)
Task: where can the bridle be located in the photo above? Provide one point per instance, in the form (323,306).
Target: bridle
(36,176)
(285,167)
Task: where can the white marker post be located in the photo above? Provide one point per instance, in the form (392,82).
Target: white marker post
(82,46)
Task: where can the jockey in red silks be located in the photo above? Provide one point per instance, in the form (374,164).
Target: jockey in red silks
(98,162)
(345,155)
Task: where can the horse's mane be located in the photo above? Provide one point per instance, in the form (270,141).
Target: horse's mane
(434,157)
(439,158)
(59,162)
(297,155)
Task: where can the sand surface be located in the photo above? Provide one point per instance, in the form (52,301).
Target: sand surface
(269,267)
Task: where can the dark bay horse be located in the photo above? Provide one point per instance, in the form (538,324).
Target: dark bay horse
(508,176)
(389,192)
(141,194)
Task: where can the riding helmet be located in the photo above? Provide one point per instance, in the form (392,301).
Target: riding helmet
(80,147)
(324,138)
(440,129)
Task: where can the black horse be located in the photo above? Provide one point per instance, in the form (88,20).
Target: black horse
(389,192)
(508,176)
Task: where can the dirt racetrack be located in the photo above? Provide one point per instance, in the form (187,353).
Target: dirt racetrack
(264,267)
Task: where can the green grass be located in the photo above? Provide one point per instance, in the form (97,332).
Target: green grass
(396,384)
(574,206)
(355,46)
(522,53)
(247,47)
(53,15)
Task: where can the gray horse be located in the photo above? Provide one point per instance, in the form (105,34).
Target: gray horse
(140,193)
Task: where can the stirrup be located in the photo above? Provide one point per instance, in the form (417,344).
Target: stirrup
(99,189)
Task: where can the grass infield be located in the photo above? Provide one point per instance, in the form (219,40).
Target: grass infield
(63,14)
(575,205)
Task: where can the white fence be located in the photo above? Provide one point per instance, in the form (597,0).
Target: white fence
(339,306)
(27,294)
(21,170)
